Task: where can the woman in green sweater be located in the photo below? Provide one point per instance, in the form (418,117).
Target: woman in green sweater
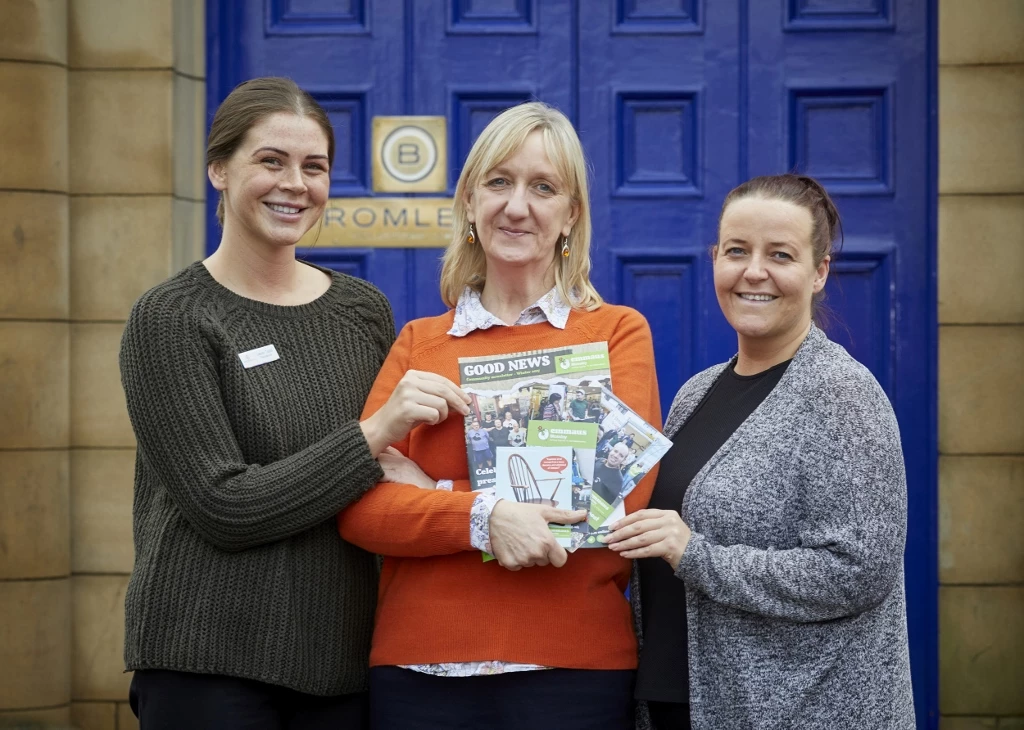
(245,375)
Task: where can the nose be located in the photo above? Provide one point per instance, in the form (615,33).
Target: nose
(292,180)
(517,206)
(755,270)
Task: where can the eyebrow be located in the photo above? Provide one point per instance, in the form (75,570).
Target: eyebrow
(285,154)
(549,175)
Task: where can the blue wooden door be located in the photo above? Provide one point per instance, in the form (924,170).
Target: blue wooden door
(676,101)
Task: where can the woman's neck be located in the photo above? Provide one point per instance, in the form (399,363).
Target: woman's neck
(757,355)
(265,273)
(507,295)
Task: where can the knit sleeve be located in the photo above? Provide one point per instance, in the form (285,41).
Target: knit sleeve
(852,530)
(634,380)
(402,520)
(170,379)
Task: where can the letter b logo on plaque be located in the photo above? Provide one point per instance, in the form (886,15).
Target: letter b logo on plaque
(410,155)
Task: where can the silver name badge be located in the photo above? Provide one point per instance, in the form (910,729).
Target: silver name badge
(259,356)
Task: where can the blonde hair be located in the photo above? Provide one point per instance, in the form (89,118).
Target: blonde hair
(464,263)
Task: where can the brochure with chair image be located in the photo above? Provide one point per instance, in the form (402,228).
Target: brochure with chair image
(537,475)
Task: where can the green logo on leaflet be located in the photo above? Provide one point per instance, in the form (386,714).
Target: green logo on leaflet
(561,433)
(582,361)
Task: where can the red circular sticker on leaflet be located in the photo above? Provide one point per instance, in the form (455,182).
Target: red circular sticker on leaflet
(553,463)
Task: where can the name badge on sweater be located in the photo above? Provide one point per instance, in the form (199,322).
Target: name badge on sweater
(259,356)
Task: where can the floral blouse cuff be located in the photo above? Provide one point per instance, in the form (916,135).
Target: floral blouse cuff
(480,521)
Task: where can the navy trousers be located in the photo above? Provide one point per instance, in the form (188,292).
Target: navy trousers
(166,700)
(567,699)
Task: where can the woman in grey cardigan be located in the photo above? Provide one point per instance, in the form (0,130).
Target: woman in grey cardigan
(780,517)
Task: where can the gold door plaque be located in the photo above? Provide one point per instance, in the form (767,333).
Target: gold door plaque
(383,223)
(410,154)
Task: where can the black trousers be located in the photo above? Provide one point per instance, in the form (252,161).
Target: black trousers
(567,699)
(166,700)
(669,715)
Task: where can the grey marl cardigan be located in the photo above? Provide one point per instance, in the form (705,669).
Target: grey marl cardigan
(796,609)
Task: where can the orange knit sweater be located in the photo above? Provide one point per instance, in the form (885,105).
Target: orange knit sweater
(438,602)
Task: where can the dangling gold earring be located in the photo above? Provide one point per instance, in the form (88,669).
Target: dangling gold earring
(565,247)
(471,238)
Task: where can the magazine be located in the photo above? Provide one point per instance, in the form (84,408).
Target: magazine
(527,406)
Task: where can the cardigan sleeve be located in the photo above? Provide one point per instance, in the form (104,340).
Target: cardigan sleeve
(853,528)
(403,520)
(176,407)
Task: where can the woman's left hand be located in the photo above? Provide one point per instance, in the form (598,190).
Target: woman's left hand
(400,469)
(651,533)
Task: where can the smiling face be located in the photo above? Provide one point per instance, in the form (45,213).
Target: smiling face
(521,210)
(617,455)
(276,184)
(765,274)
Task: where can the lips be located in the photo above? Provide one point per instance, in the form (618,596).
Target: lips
(748,297)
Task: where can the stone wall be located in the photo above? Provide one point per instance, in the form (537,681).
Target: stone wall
(981,352)
(101,190)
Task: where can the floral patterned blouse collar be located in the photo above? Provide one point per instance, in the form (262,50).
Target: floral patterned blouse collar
(470,314)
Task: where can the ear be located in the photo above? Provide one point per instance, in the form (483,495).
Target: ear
(821,274)
(218,176)
(467,200)
(574,215)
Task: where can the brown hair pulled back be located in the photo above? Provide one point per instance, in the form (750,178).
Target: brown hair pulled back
(808,193)
(250,103)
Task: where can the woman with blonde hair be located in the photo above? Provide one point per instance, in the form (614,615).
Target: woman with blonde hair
(459,642)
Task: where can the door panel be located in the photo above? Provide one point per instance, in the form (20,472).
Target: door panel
(676,102)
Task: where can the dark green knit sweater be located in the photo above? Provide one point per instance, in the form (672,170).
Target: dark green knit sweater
(239,569)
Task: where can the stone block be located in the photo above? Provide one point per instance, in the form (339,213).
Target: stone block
(190,37)
(968,723)
(981,31)
(34,127)
(97,654)
(35,633)
(51,718)
(34,362)
(189,138)
(981,115)
(119,34)
(189,233)
(981,239)
(34,30)
(981,510)
(981,650)
(102,486)
(106,232)
(126,719)
(981,400)
(33,255)
(120,129)
(34,514)
(99,416)
(94,715)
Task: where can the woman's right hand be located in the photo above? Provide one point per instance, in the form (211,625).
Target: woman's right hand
(420,397)
(520,537)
